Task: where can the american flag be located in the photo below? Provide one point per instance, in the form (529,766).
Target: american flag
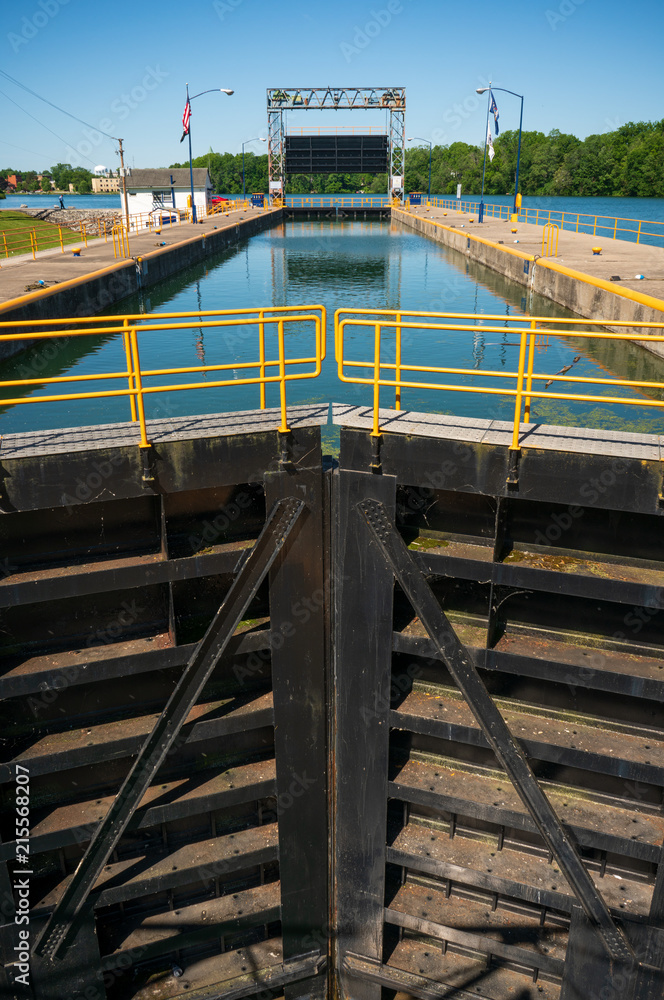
(185,120)
(493,108)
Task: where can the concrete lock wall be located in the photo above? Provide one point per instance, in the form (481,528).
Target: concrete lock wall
(589,297)
(91,293)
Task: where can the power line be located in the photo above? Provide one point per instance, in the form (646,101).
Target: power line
(39,122)
(51,104)
(46,156)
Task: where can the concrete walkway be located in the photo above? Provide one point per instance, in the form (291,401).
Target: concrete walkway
(21,271)
(618,257)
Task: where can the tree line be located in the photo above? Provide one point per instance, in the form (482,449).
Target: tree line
(62,174)
(626,162)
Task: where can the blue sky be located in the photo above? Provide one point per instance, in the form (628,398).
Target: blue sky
(583,66)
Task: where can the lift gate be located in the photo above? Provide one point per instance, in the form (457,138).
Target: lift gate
(295,728)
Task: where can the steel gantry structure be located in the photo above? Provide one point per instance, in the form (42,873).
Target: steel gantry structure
(281,100)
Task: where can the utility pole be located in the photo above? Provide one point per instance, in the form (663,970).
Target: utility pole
(124,187)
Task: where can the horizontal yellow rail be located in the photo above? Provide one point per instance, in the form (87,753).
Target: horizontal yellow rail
(126,329)
(44,239)
(387,326)
(608,226)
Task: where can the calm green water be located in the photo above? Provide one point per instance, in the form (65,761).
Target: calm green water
(339,264)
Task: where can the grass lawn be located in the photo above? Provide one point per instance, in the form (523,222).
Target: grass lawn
(15,228)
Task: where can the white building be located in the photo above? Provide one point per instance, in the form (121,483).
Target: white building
(153,191)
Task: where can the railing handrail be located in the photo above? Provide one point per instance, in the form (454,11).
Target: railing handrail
(128,326)
(566,219)
(530,328)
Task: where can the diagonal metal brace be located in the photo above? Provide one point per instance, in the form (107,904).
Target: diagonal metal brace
(62,926)
(495,729)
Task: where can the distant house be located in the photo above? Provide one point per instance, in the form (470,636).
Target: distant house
(13,181)
(103,184)
(151,190)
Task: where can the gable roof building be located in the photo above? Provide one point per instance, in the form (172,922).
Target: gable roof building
(160,178)
(166,188)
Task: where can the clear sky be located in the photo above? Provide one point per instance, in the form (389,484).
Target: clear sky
(583,66)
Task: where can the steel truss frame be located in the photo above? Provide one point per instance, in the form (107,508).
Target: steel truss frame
(280,100)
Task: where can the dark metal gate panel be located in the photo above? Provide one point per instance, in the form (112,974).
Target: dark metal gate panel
(110,583)
(556,593)
(447,878)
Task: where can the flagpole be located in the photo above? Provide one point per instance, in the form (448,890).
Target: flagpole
(480,215)
(191,169)
(482,90)
(518,158)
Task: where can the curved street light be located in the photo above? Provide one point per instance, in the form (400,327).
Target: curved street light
(245,143)
(483,90)
(410,139)
(214,90)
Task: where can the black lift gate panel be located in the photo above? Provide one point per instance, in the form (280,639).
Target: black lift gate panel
(332,154)
(392,728)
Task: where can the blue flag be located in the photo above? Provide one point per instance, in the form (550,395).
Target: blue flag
(493,108)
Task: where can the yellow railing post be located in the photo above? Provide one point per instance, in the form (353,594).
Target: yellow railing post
(261,350)
(531,362)
(130,367)
(376,380)
(283,429)
(62,242)
(6,247)
(519,392)
(397,367)
(138,386)
(638,234)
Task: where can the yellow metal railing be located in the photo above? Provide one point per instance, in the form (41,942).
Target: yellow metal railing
(37,240)
(550,239)
(273,366)
(608,226)
(120,242)
(397,374)
(336,201)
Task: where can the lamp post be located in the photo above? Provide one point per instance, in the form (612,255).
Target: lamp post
(246,142)
(410,139)
(483,90)
(214,90)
